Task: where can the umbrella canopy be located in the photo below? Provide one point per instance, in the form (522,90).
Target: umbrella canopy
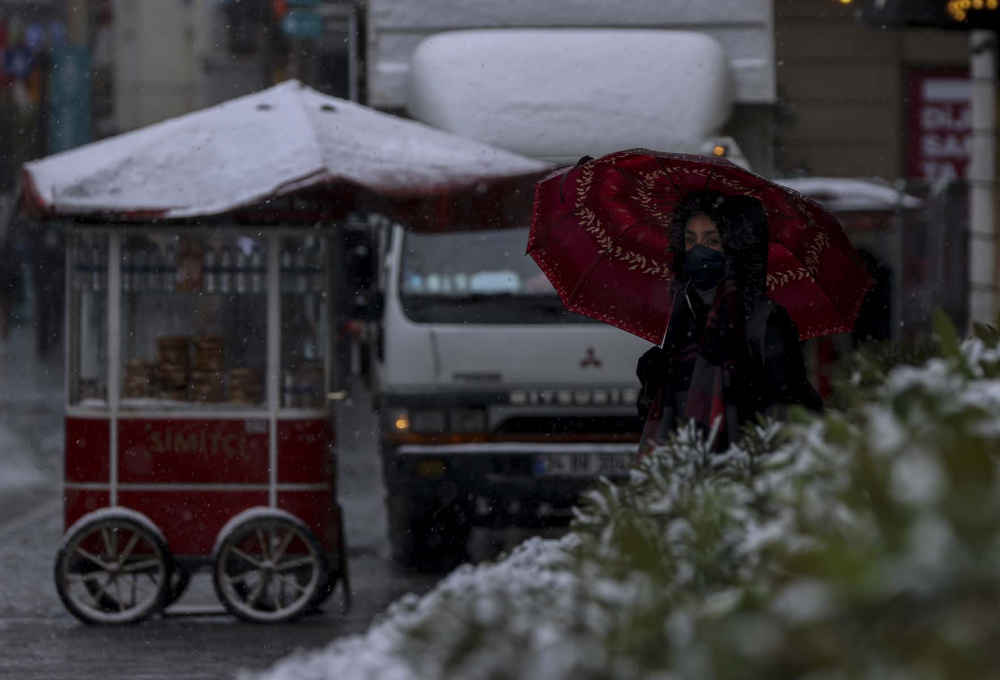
(600,233)
(285,140)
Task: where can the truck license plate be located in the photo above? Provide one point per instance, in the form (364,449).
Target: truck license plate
(583,464)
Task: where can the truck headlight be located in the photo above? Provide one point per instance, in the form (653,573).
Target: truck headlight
(399,420)
(468,420)
(427,421)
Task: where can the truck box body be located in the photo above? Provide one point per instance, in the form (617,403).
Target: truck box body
(552,94)
(745,29)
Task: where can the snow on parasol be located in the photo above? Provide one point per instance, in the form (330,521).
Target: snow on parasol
(285,140)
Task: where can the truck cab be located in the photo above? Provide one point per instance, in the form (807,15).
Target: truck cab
(497,406)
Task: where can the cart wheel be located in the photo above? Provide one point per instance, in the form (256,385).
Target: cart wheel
(269,568)
(338,573)
(179,582)
(113,570)
(178,586)
(324,593)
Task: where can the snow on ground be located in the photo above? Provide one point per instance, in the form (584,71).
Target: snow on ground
(359,466)
(18,467)
(518,592)
(31,426)
(30,543)
(31,444)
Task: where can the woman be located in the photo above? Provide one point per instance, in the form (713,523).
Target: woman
(729,351)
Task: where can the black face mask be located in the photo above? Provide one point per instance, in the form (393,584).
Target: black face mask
(704,266)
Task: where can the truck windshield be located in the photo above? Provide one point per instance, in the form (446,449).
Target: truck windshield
(476,277)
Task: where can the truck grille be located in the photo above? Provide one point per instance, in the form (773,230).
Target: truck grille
(613,427)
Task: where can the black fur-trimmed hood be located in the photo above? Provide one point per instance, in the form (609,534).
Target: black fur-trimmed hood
(743,227)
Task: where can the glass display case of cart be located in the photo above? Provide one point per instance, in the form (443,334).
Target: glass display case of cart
(193,321)
(87,328)
(198,398)
(304,324)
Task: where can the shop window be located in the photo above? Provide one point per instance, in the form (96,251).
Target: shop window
(87,331)
(304,325)
(194,321)
(327,59)
(334,60)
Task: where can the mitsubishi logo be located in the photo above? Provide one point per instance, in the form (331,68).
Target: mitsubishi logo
(590,360)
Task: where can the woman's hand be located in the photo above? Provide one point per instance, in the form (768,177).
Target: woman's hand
(652,364)
(651,371)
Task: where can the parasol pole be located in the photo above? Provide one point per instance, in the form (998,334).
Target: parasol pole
(982,179)
(899,254)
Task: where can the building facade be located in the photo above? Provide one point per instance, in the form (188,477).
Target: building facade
(852,97)
(29,31)
(816,91)
(176,56)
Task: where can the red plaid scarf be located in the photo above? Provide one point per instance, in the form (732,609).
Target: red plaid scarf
(704,362)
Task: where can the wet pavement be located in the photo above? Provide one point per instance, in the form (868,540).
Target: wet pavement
(39,639)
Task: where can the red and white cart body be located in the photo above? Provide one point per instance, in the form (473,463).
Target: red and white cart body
(204,305)
(199,371)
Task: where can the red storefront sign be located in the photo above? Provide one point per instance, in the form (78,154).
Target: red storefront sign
(940,125)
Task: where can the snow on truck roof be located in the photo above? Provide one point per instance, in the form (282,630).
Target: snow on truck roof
(562,93)
(272,143)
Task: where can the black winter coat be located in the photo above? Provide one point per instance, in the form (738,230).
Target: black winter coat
(774,374)
(776,377)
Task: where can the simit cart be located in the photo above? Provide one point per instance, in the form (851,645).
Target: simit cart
(207,283)
(197,428)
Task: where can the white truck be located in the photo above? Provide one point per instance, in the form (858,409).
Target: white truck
(497,406)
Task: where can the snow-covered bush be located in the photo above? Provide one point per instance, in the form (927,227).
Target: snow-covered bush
(865,543)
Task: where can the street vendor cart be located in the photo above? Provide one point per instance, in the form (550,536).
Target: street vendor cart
(205,295)
(197,431)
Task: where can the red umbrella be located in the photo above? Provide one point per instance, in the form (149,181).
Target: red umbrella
(600,230)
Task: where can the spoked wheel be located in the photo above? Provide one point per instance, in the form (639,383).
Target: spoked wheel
(269,569)
(338,572)
(113,570)
(180,579)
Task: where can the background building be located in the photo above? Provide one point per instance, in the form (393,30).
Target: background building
(175,56)
(850,96)
(29,29)
(838,97)
(817,92)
